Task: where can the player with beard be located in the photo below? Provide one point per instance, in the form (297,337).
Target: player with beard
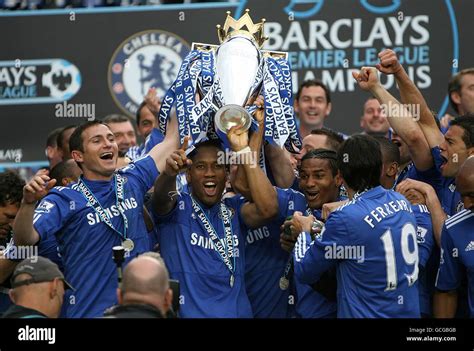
(457,246)
(102,210)
(201,238)
(448,151)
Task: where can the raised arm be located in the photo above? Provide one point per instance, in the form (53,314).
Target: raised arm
(264,203)
(400,119)
(410,94)
(165,184)
(23,231)
(240,183)
(280,164)
(438,216)
(161,151)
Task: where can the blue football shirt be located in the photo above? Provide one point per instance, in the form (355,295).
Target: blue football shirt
(310,303)
(85,242)
(372,242)
(191,258)
(266,260)
(457,254)
(428,257)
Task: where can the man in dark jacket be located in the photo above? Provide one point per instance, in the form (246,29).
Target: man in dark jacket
(145,291)
(37,289)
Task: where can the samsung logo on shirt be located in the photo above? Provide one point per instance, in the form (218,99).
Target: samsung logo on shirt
(254,235)
(113,211)
(206,242)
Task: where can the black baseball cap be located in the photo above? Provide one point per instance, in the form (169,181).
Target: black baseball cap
(40,269)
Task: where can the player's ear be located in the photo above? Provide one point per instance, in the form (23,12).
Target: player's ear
(77,156)
(392,169)
(338,180)
(456,97)
(168,300)
(119,296)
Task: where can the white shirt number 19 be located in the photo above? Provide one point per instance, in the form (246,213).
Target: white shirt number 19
(410,257)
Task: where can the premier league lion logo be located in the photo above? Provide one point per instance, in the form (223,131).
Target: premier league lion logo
(144,60)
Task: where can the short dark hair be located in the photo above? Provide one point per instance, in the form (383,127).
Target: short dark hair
(208,143)
(137,115)
(334,139)
(359,161)
(314,83)
(324,154)
(115,118)
(62,170)
(11,188)
(52,139)
(76,142)
(466,122)
(390,151)
(455,85)
(60,137)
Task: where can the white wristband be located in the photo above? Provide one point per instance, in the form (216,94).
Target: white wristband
(243,151)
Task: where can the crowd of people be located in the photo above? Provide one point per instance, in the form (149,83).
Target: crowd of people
(378,224)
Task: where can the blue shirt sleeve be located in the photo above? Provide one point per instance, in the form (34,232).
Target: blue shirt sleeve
(51,215)
(424,233)
(449,275)
(289,201)
(310,259)
(142,173)
(155,138)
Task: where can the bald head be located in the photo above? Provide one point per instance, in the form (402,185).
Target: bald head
(145,275)
(465,182)
(146,280)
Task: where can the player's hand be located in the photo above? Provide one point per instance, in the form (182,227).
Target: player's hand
(329,207)
(287,243)
(389,63)
(259,113)
(238,138)
(152,101)
(445,120)
(178,162)
(367,78)
(37,187)
(424,188)
(415,197)
(297,224)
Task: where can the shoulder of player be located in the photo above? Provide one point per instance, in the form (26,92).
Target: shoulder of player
(459,218)
(140,161)
(346,207)
(288,191)
(63,192)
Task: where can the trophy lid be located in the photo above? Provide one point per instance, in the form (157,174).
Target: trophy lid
(243,26)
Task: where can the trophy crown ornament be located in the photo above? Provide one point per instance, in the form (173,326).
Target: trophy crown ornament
(243,26)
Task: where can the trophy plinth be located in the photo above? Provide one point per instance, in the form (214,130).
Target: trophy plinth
(230,116)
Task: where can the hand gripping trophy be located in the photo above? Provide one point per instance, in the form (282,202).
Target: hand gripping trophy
(215,82)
